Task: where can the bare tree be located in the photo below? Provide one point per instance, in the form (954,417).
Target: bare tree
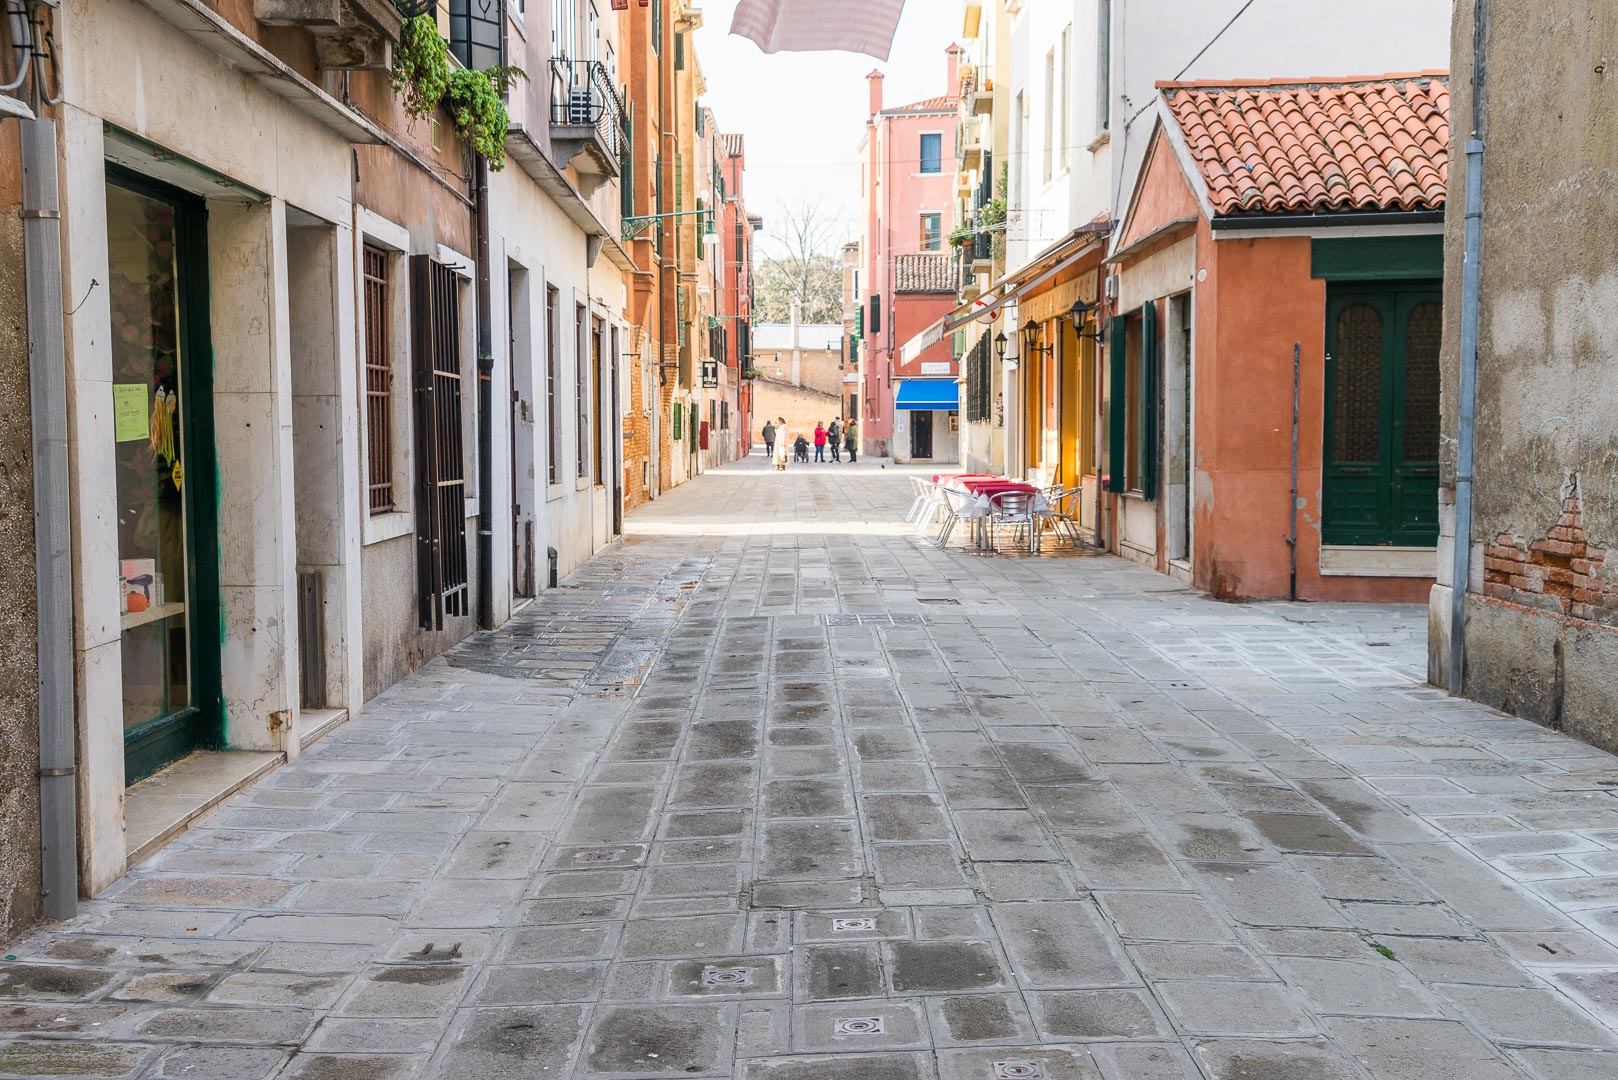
(802,265)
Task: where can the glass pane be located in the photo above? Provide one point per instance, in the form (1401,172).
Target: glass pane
(1423,334)
(1357,388)
(147,432)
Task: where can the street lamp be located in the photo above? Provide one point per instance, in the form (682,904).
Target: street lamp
(1078,313)
(1030,340)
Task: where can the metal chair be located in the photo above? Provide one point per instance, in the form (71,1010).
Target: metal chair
(1061,513)
(919,497)
(1013,510)
(959,506)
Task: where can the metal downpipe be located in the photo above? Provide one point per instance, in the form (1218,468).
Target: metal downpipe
(53,568)
(485,404)
(1471,275)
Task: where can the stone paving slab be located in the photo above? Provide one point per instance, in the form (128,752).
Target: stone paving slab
(774,790)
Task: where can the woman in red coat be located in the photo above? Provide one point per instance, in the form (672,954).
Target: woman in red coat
(820,442)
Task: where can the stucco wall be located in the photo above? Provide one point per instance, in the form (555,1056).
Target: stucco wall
(1547,359)
(19,717)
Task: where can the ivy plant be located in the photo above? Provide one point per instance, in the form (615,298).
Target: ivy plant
(421,70)
(478,110)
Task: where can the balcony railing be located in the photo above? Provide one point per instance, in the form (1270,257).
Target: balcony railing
(582,96)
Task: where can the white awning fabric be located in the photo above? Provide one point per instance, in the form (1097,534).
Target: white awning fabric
(862,26)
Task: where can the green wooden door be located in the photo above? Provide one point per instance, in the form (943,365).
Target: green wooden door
(1381,455)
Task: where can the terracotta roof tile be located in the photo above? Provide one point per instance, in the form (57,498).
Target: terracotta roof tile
(1366,144)
(924,274)
(942,103)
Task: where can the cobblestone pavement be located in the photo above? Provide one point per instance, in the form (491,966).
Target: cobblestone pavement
(773,790)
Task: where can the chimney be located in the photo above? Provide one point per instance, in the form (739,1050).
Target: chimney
(952,81)
(874,81)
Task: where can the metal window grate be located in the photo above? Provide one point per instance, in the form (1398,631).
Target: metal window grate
(440,459)
(378,382)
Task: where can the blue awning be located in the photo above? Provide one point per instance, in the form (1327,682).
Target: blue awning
(928,394)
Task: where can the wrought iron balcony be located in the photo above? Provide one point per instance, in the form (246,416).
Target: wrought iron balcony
(588,126)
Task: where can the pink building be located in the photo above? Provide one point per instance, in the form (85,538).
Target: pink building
(907,174)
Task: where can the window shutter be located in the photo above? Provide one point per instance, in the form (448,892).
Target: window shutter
(441,571)
(1150,347)
(678,415)
(1117,406)
(859,323)
(876,314)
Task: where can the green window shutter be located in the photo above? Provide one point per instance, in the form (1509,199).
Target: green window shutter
(1117,405)
(859,322)
(1150,347)
(678,414)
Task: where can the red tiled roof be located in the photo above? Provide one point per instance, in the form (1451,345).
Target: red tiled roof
(1369,144)
(922,273)
(942,103)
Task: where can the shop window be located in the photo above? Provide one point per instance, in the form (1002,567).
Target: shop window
(441,565)
(1136,348)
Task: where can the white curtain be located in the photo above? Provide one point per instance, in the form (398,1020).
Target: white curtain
(863,26)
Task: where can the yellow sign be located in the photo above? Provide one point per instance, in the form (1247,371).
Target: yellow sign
(178,475)
(130,420)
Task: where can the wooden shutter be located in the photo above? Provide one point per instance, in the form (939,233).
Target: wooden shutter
(1117,401)
(1151,348)
(441,572)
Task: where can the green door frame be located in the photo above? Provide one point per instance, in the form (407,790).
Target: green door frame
(1381,486)
(201,724)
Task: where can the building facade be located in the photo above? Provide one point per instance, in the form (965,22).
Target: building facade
(1540,603)
(907,208)
(341,383)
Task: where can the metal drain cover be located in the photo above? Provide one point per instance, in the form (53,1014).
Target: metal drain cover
(1019,1070)
(843,926)
(859,1025)
(597,856)
(718,978)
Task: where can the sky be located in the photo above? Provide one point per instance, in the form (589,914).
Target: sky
(803,114)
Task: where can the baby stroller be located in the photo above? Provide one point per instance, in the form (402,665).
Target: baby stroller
(800,451)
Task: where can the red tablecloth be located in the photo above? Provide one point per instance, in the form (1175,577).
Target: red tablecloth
(998,486)
(942,478)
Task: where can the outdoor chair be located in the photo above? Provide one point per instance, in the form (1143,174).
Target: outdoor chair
(919,497)
(1012,510)
(958,506)
(1062,513)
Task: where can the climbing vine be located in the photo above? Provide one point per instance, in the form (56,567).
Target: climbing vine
(479,112)
(421,68)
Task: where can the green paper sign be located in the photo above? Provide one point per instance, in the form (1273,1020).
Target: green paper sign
(130,418)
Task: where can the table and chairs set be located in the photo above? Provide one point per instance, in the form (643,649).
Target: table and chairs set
(997,512)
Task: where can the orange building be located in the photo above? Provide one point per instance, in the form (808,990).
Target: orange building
(1270,394)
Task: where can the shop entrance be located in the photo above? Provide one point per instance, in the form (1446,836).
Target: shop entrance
(162,429)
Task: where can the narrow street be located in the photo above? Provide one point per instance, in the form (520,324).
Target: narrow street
(776,790)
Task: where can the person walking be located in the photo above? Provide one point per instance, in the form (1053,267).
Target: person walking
(820,442)
(851,440)
(778,450)
(769,438)
(834,438)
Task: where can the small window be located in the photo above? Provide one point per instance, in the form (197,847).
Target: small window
(932,152)
(932,232)
(379,380)
(553,353)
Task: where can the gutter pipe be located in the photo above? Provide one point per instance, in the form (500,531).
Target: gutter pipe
(1471,274)
(485,403)
(53,568)
(1328,219)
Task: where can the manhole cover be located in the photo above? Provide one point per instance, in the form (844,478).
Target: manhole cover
(715,978)
(843,926)
(1019,1070)
(595,856)
(859,1025)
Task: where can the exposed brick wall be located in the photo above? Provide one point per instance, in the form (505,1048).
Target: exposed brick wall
(1559,572)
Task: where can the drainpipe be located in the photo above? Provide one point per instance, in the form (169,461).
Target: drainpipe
(485,404)
(1292,534)
(1471,273)
(53,572)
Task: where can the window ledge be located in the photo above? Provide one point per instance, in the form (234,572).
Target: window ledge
(390,526)
(1378,560)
